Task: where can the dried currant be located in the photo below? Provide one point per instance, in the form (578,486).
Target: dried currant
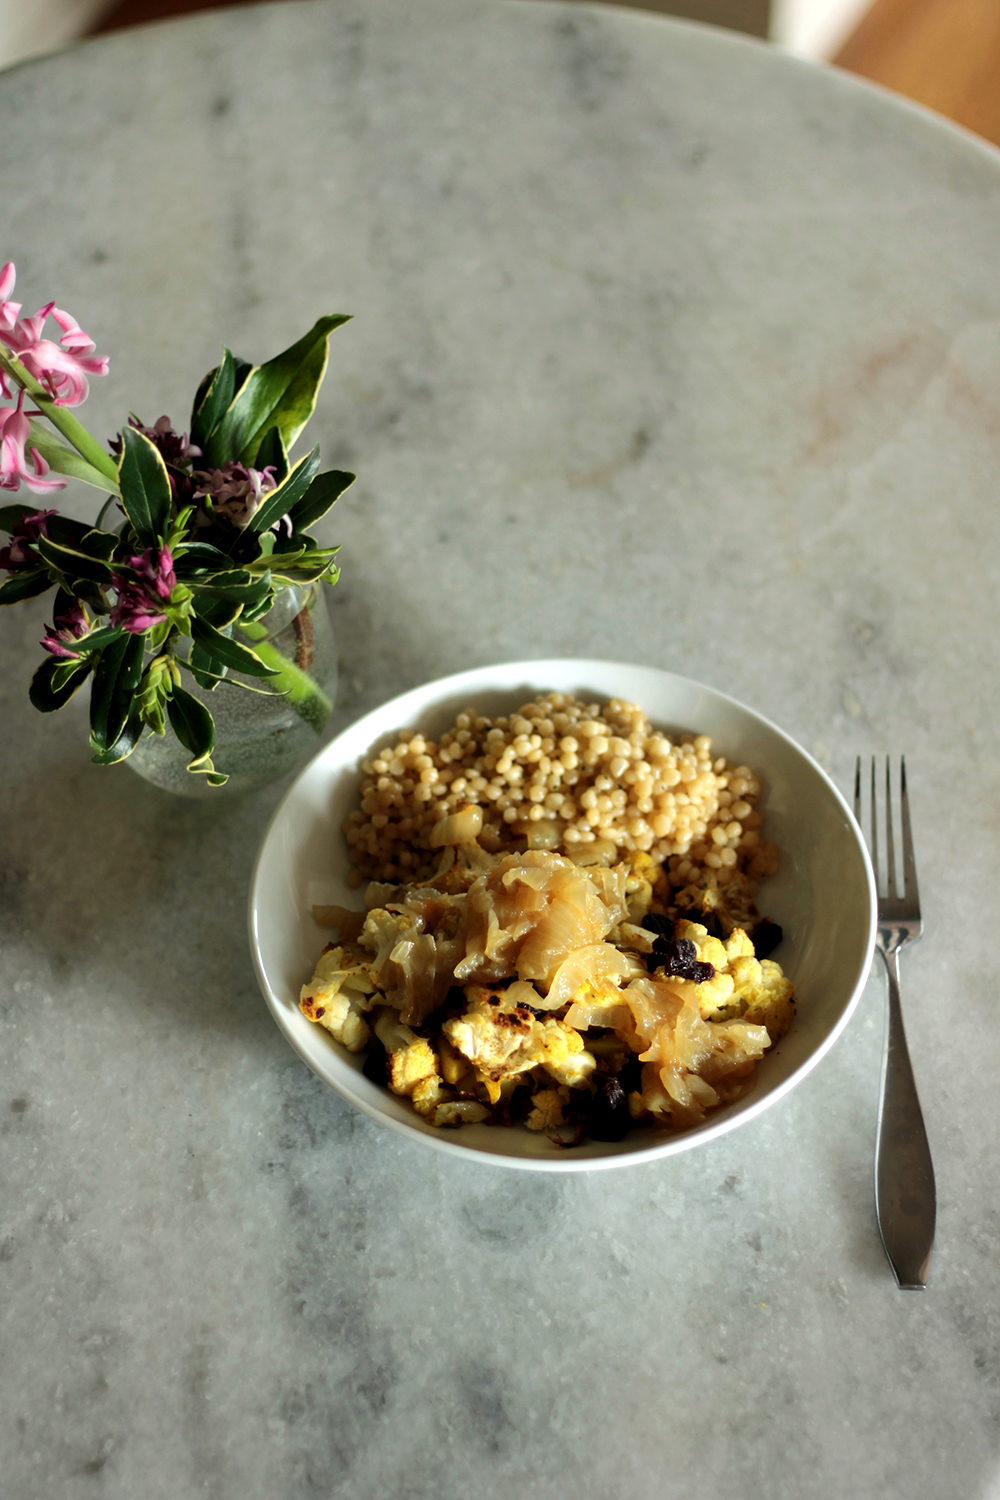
(607,1114)
(678,959)
(765,937)
(376,1064)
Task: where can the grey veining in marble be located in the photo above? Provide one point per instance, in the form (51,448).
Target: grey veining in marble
(667,348)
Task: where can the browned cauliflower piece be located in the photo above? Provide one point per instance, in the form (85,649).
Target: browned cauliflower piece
(459,1112)
(340,989)
(547,1112)
(502,1040)
(411,1066)
(765,995)
(428,1094)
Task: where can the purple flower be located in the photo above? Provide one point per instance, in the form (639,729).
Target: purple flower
(15,430)
(19,556)
(69,626)
(141,599)
(234,492)
(174,447)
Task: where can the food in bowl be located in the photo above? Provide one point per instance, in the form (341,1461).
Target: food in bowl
(561,928)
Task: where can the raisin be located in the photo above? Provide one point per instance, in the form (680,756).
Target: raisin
(765,937)
(630,1075)
(653,921)
(376,1065)
(607,1114)
(678,959)
(519,1104)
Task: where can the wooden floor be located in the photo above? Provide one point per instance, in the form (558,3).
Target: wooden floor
(942,53)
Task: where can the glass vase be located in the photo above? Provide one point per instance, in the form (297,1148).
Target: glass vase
(258,735)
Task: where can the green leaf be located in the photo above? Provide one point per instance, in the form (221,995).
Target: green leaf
(116,678)
(73,563)
(45,695)
(319,497)
(223,581)
(194,727)
(287,494)
(219,612)
(124,744)
(199,557)
(145,487)
(191,722)
(272,453)
(96,640)
(81,537)
(12,516)
(199,664)
(281,393)
(226,652)
(213,398)
(239,586)
(63,459)
(25,585)
(66,532)
(312,566)
(277,558)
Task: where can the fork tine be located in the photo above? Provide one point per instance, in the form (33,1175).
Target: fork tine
(857,791)
(874,811)
(890,843)
(909,862)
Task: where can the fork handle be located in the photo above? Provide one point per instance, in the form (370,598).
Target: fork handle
(904,1173)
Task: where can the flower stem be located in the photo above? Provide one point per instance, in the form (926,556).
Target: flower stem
(73,431)
(302,692)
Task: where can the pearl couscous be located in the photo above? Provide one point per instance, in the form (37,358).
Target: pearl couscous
(563,775)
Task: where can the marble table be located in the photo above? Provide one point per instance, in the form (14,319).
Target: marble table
(667,348)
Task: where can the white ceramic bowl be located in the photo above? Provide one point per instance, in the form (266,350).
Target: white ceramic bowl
(823,894)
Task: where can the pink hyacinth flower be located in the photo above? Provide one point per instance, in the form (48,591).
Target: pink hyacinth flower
(8,310)
(63,372)
(62,368)
(15,430)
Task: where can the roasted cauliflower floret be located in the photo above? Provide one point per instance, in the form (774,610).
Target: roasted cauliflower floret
(502,1040)
(412,1066)
(766,997)
(492,1033)
(428,1094)
(459,1112)
(340,989)
(743,987)
(547,1112)
(564,1055)
(715,995)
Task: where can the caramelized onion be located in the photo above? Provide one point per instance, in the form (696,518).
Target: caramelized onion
(458,828)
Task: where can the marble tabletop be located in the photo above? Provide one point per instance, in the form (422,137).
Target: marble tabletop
(667,348)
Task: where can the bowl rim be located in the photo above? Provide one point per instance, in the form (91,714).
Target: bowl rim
(450,1143)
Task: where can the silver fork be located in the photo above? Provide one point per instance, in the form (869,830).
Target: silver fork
(904,1173)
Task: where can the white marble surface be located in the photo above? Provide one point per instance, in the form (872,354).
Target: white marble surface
(667,347)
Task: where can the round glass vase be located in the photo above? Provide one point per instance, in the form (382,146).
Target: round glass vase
(259,735)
